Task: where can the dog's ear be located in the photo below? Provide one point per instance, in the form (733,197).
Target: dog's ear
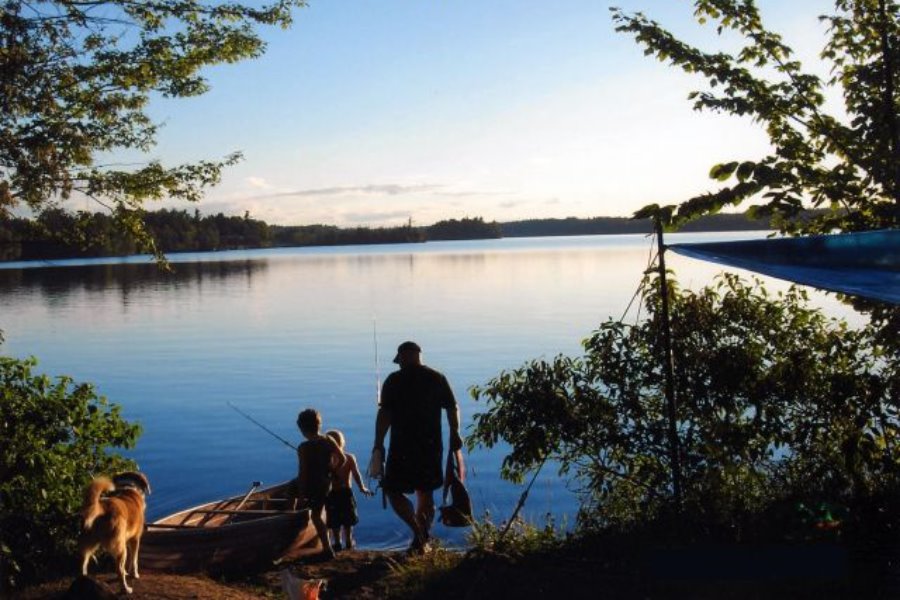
(134,477)
(145,483)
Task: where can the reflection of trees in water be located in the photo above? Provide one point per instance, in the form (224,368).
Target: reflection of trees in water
(58,282)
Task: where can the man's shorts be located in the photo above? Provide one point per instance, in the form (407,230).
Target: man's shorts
(407,470)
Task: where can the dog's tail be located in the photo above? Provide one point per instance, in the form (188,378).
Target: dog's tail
(92,507)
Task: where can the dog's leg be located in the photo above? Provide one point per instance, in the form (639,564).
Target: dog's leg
(86,554)
(121,555)
(134,546)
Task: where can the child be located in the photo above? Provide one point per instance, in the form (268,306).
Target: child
(340,506)
(317,457)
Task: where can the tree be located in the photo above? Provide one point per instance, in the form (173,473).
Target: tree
(53,435)
(466,228)
(777,403)
(848,165)
(76,77)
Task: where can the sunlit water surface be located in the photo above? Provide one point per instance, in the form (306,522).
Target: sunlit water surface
(275,331)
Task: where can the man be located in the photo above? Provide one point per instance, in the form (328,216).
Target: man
(411,403)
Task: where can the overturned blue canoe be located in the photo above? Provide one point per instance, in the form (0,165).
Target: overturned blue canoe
(864,264)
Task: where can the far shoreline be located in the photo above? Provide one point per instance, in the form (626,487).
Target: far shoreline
(177,232)
(246,253)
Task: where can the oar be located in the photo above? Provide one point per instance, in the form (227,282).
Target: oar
(253,487)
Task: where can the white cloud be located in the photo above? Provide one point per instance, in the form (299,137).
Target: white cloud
(391,189)
(258,183)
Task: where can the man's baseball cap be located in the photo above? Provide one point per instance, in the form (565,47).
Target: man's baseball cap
(406,347)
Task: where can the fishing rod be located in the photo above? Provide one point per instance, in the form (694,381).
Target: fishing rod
(522,499)
(377,366)
(476,582)
(261,426)
(380,467)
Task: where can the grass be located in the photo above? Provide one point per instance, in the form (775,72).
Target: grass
(528,560)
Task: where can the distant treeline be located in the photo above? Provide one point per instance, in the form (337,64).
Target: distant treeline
(620,225)
(59,234)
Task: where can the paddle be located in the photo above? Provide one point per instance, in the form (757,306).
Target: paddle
(253,487)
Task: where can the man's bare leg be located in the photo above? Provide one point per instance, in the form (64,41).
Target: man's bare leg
(404,509)
(425,512)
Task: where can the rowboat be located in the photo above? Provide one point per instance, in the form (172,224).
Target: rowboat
(238,534)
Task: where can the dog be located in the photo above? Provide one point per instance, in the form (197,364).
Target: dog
(114,522)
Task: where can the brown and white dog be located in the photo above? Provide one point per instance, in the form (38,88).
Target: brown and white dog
(115,522)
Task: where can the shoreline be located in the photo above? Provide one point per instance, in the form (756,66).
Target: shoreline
(614,567)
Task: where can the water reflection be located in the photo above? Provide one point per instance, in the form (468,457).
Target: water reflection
(58,281)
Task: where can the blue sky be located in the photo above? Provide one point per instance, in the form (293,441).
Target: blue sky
(372,113)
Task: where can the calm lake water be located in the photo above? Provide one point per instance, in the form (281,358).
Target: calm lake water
(275,331)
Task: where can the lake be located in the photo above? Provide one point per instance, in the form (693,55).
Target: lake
(278,330)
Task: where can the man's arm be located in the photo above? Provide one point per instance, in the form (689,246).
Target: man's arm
(456,441)
(450,405)
(382,424)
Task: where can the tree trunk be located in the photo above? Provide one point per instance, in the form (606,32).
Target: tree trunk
(890,108)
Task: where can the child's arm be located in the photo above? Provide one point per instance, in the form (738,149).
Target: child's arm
(354,470)
(338,458)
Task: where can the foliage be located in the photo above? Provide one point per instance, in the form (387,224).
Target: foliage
(98,234)
(419,576)
(848,165)
(775,403)
(619,225)
(331,235)
(464,229)
(518,538)
(53,435)
(75,81)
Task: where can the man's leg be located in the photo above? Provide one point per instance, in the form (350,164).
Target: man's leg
(404,509)
(425,512)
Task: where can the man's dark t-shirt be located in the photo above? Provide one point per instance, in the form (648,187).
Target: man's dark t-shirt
(414,397)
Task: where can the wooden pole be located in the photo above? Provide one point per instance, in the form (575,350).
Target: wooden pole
(669,369)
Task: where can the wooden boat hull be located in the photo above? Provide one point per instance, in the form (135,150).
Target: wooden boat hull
(237,534)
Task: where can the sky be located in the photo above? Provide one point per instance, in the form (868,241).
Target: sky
(372,113)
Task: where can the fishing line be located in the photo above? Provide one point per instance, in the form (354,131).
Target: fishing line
(261,426)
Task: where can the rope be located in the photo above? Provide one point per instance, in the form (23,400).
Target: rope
(641,288)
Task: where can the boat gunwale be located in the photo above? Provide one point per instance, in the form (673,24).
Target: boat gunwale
(203,509)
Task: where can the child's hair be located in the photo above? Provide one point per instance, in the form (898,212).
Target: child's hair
(309,420)
(337,436)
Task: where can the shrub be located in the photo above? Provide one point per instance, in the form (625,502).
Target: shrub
(776,404)
(54,435)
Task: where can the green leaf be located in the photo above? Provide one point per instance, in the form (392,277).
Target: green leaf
(721,172)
